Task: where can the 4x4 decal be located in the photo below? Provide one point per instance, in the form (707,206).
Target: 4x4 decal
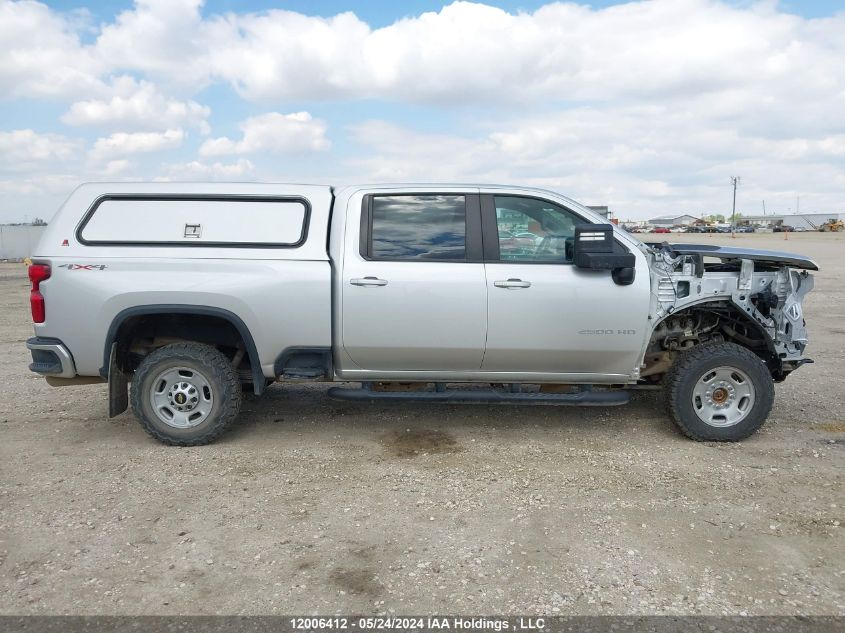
(83,266)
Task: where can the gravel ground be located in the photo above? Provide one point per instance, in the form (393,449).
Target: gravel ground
(310,505)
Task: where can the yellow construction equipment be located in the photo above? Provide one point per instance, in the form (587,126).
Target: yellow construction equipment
(832,226)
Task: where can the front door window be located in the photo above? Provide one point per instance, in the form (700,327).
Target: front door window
(532,230)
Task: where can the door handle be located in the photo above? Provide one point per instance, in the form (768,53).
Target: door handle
(512,283)
(368,281)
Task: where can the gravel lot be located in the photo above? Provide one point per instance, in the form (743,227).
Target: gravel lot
(311,505)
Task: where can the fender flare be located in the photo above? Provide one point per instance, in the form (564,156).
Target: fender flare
(166,308)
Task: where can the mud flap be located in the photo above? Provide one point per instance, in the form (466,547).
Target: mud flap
(118,386)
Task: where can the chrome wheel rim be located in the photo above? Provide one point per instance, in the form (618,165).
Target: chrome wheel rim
(723,396)
(181,397)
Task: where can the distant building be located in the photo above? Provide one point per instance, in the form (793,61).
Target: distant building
(673,220)
(809,221)
(602,211)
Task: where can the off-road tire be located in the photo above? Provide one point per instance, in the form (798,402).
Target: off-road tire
(690,366)
(214,367)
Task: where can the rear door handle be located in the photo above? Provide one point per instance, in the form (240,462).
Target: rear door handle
(368,281)
(512,283)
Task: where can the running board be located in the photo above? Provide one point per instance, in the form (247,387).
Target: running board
(584,398)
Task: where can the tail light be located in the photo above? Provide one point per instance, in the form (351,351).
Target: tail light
(37,274)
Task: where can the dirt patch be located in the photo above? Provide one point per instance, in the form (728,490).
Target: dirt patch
(304,565)
(357,581)
(364,553)
(413,442)
(834,427)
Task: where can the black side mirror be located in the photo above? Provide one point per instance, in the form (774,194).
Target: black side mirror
(595,249)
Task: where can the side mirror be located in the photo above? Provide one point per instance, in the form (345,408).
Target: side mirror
(595,249)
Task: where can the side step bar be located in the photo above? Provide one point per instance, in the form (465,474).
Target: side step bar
(584,398)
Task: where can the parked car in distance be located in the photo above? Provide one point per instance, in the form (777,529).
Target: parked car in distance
(783,228)
(745,228)
(661,229)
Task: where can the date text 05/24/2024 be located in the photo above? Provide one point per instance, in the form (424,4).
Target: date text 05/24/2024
(433,623)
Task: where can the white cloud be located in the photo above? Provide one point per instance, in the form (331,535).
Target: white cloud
(471,52)
(23,149)
(166,39)
(137,105)
(114,167)
(41,54)
(196,170)
(465,53)
(122,144)
(272,132)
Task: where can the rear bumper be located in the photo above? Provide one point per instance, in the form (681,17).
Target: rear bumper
(50,358)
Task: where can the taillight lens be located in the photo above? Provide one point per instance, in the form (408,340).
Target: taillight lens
(37,274)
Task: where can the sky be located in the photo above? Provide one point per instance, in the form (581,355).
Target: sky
(648,107)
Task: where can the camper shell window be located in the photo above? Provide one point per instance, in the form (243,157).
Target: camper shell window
(253,221)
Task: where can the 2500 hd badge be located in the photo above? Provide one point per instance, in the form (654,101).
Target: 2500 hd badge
(604,332)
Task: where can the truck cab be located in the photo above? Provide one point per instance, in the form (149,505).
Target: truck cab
(429,288)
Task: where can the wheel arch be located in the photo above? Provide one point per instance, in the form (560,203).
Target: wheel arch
(769,356)
(125,316)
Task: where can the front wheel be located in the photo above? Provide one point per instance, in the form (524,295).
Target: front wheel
(186,394)
(719,392)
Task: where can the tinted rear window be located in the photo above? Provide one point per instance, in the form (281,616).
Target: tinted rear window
(419,227)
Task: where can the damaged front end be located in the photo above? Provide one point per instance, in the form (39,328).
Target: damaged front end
(751,297)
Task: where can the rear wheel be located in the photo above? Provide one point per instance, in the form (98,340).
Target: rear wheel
(719,392)
(186,394)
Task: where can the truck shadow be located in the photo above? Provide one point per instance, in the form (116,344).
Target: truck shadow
(408,428)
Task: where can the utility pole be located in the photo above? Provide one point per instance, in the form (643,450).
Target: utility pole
(734,182)
(764,208)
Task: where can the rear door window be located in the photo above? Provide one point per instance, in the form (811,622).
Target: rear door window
(418,228)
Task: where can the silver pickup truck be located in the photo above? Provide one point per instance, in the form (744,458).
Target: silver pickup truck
(452,293)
